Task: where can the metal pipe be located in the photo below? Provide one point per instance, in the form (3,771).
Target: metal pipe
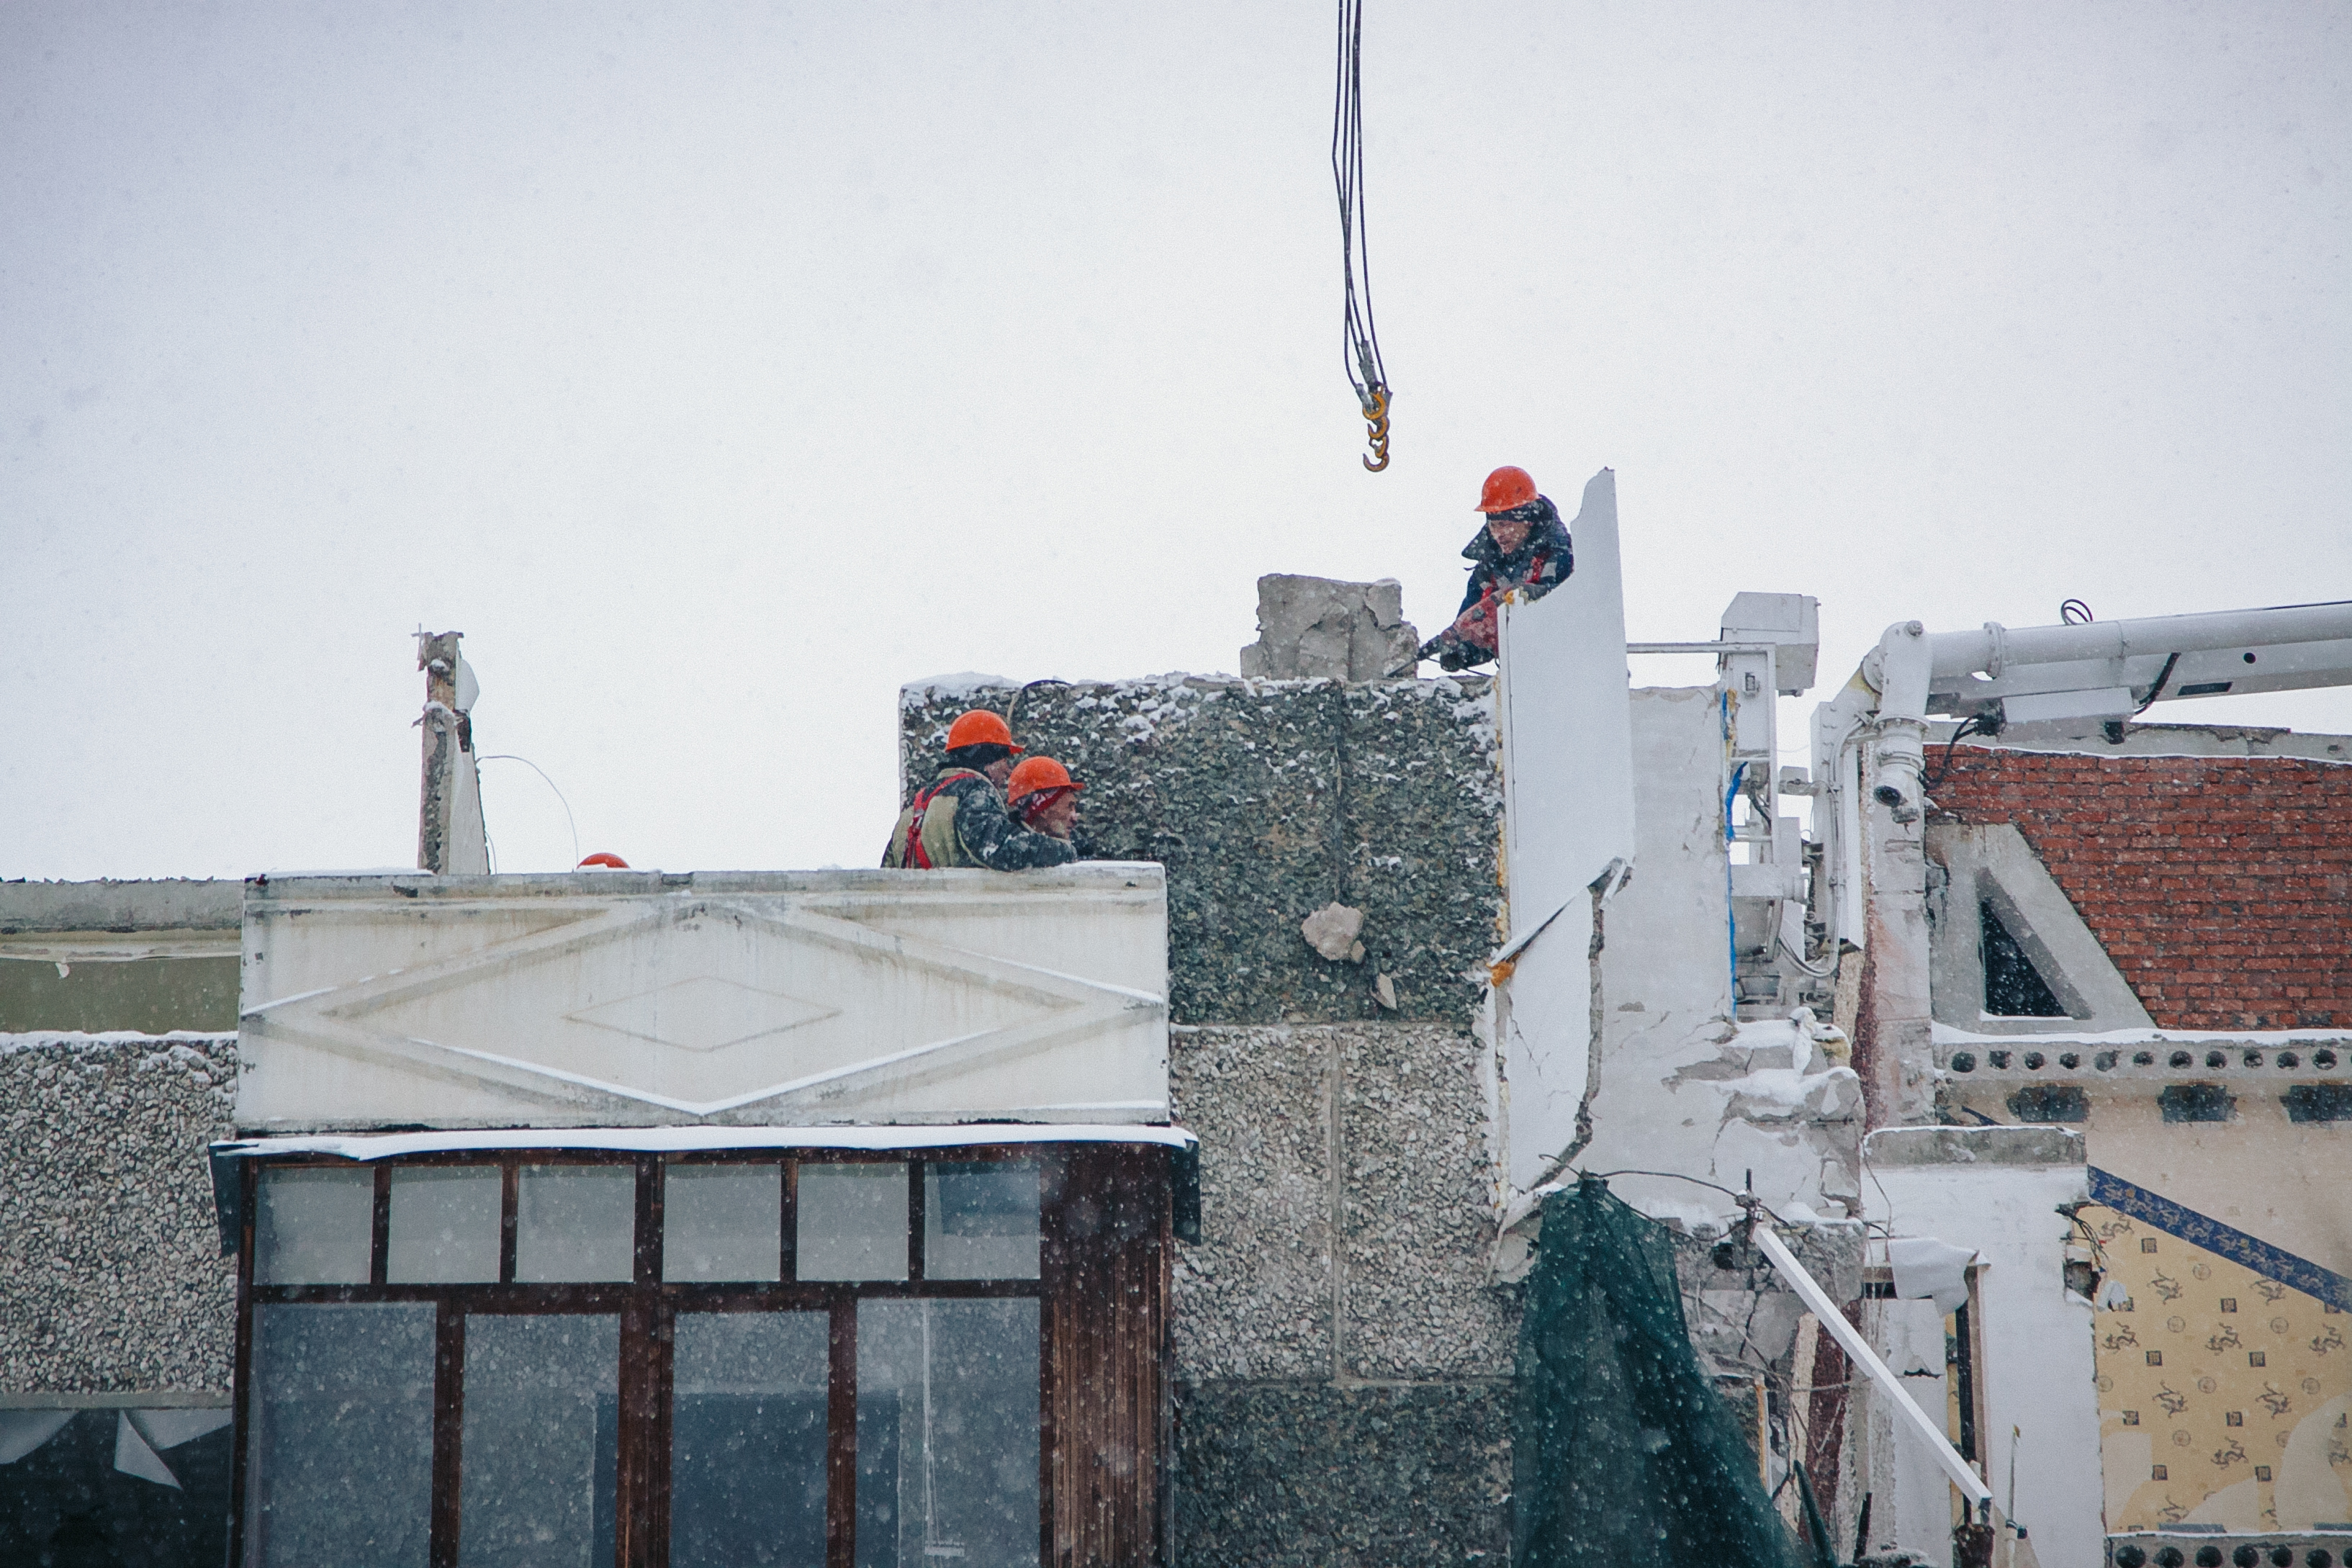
(1995,649)
(1850,1340)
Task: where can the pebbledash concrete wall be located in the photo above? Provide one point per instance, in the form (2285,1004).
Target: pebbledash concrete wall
(1343,1360)
(110,1252)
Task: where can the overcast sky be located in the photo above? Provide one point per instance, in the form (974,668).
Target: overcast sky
(716,370)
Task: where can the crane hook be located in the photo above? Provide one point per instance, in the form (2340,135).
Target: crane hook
(1376,419)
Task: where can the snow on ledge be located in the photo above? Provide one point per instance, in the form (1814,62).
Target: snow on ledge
(1952,1035)
(962,684)
(81,1040)
(690,1139)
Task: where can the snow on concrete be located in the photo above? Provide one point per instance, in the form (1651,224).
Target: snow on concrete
(687,1139)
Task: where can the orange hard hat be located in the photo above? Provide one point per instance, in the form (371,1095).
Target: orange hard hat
(1507,488)
(1031,774)
(980,728)
(606,860)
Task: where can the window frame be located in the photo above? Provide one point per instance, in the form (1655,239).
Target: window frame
(1072,1306)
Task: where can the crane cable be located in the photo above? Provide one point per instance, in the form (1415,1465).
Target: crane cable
(1361,353)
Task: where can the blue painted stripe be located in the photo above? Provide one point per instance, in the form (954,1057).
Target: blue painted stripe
(2201,1230)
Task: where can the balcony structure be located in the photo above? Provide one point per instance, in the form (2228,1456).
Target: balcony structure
(643,1219)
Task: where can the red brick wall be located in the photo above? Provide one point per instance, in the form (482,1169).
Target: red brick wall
(2222,886)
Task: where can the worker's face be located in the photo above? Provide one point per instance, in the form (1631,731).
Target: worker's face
(999,771)
(1060,819)
(1509,536)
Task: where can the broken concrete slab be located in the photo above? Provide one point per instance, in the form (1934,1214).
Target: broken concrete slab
(1320,627)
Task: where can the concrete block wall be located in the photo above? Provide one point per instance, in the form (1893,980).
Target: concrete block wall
(1343,1362)
(1266,800)
(111,1256)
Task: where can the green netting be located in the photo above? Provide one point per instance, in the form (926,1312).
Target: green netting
(1623,1454)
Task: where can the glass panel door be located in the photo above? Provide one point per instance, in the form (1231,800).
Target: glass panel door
(340,1456)
(946,1434)
(541,1440)
(748,1441)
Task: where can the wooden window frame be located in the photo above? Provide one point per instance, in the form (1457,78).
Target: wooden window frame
(1103,1291)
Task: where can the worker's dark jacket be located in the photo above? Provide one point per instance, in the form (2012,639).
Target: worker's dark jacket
(1542,562)
(964,823)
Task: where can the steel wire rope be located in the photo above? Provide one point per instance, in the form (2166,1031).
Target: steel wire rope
(1360,338)
(570,821)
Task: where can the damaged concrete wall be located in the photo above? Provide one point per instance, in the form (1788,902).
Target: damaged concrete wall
(1683,1088)
(110,1273)
(1266,800)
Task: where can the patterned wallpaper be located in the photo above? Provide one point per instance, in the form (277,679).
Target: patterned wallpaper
(2222,1393)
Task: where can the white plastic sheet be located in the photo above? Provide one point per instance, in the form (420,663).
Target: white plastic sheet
(1926,1269)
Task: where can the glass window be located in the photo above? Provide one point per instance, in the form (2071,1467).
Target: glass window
(541,1434)
(722,1222)
(340,1466)
(947,1432)
(313,1227)
(853,1221)
(747,1441)
(445,1225)
(979,1220)
(575,1223)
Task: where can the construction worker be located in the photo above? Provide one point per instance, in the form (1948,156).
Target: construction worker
(1524,546)
(959,819)
(1045,797)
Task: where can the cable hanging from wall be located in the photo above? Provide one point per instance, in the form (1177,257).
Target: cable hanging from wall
(1362,351)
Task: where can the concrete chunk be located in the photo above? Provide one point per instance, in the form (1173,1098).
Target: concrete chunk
(1321,628)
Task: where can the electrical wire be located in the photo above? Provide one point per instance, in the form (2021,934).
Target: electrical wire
(2075,613)
(1361,348)
(1974,724)
(534,767)
(2157,690)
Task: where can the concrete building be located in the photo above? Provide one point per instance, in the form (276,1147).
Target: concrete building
(1175,1206)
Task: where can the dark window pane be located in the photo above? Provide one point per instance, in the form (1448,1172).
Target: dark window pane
(89,1481)
(853,1221)
(341,1423)
(722,1222)
(979,1220)
(575,1223)
(946,1433)
(747,1441)
(542,1405)
(445,1226)
(2014,987)
(313,1227)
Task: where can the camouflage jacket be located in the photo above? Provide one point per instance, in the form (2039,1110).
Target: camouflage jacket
(964,823)
(1538,566)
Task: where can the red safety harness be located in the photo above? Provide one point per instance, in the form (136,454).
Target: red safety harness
(916,856)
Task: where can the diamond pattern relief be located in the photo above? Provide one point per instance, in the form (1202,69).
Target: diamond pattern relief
(704,1014)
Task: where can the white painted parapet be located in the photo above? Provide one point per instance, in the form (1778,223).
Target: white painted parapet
(645,999)
(1568,833)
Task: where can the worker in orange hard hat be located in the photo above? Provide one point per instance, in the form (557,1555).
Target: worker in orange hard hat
(959,819)
(1524,548)
(1045,797)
